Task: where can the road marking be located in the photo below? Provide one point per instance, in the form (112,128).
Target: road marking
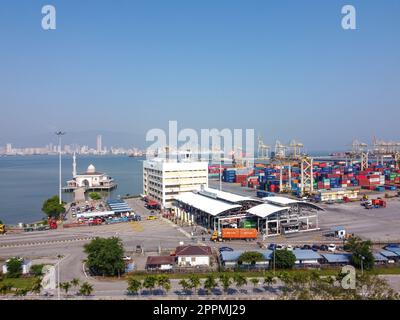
(45,242)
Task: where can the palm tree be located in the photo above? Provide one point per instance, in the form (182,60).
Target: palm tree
(5,288)
(255,282)
(164,282)
(186,286)
(149,283)
(239,280)
(65,286)
(86,289)
(194,281)
(75,282)
(225,280)
(210,283)
(134,286)
(21,292)
(269,280)
(37,286)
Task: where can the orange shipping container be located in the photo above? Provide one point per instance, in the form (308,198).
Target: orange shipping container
(240,233)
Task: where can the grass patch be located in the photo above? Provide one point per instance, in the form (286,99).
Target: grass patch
(20,283)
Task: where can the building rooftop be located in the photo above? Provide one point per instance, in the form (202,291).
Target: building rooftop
(205,204)
(227,196)
(264,210)
(158,260)
(306,254)
(193,251)
(337,257)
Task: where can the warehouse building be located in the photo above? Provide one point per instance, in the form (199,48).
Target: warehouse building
(214,210)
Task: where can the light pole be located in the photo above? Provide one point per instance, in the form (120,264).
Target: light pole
(59,257)
(274,257)
(59,134)
(220,174)
(362,265)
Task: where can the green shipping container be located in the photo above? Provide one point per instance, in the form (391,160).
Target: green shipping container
(248,224)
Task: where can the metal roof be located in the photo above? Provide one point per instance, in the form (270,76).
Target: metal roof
(283,201)
(306,254)
(205,204)
(264,210)
(227,196)
(379,257)
(235,255)
(389,254)
(395,250)
(337,257)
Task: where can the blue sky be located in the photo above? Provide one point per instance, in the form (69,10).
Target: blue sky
(285,68)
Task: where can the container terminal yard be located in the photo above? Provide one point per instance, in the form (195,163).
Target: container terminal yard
(287,199)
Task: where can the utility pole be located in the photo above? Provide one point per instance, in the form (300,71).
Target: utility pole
(59,134)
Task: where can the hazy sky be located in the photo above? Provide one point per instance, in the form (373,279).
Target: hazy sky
(285,68)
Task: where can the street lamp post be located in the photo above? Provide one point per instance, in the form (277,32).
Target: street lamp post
(59,257)
(274,257)
(59,135)
(362,265)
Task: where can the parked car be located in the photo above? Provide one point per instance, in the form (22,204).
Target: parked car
(332,247)
(280,247)
(151,218)
(315,247)
(272,246)
(324,247)
(306,247)
(225,249)
(289,247)
(127,258)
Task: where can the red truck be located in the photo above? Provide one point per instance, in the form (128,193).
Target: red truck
(235,233)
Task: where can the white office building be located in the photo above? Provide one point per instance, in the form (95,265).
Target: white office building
(165,179)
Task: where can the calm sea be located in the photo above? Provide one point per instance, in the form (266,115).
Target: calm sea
(25,182)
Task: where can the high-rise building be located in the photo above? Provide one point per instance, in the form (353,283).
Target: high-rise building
(163,179)
(99,144)
(8,148)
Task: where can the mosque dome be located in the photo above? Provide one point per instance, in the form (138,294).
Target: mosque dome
(91,169)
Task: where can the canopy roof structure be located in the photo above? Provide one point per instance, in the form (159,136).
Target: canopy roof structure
(284,201)
(226,196)
(205,204)
(264,210)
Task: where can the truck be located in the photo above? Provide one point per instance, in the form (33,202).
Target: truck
(235,234)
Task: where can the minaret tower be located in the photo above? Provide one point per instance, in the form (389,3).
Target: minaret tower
(74,166)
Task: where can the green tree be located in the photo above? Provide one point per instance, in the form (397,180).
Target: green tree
(269,280)
(149,283)
(361,252)
(226,281)
(134,286)
(210,283)
(20,292)
(255,282)
(239,280)
(250,257)
(37,270)
(36,286)
(94,196)
(52,207)
(164,282)
(186,286)
(284,259)
(65,286)
(194,281)
(105,256)
(14,267)
(86,289)
(5,288)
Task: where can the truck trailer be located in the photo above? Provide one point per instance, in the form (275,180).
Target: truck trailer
(235,234)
